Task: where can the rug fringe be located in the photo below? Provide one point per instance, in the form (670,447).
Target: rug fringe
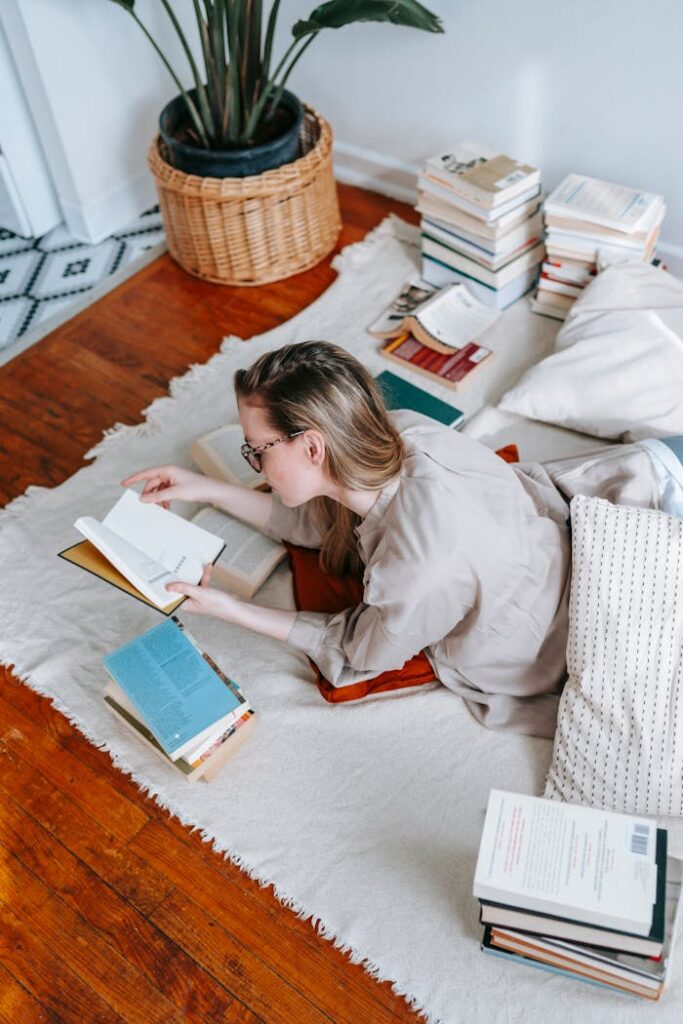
(148,789)
(152,423)
(19,505)
(392,225)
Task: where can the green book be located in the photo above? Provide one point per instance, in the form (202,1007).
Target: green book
(400,394)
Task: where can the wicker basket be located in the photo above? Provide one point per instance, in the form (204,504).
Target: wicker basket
(248,231)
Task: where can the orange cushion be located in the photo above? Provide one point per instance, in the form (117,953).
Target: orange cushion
(318,591)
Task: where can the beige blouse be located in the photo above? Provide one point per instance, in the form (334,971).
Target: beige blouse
(466,558)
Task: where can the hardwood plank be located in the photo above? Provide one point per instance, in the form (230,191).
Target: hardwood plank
(115,863)
(189,988)
(88,953)
(68,736)
(118,355)
(41,971)
(262,931)
(18,1005)
(326,961)
(122,817)
(197,931)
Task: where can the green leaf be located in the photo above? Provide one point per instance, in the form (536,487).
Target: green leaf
(129,5)
(337,13)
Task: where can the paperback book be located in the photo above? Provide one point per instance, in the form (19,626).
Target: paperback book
(248,557)
(481,175)
(218,455)
(175,698)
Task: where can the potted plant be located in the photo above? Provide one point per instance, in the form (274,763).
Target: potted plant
(238,118)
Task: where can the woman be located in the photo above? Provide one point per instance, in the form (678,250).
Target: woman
(462,555)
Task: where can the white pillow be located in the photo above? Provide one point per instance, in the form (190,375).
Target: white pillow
(617,371)
(619,738)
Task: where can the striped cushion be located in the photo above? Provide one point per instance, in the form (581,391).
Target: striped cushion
(619,739)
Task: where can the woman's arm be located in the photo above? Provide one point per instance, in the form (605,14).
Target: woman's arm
(206,600)
(164,484)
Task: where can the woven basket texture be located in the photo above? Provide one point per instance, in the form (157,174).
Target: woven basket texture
(249,231)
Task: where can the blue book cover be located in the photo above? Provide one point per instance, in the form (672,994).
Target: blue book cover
(401,394)
(172,684)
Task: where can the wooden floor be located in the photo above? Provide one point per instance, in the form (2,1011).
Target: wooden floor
(109,909)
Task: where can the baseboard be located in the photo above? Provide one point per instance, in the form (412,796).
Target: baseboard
(377,172)
(93,222)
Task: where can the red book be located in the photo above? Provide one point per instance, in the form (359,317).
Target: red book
(450,370)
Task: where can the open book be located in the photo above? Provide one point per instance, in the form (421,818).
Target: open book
(248,557)
(175,698)
(140,547)
(444,318)
(218,455)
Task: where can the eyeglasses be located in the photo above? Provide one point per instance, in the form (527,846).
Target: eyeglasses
(254,456)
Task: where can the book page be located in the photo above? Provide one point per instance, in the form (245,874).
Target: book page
(454,317)
(565,855)
(181,547)
(414,293)
(222,450)
(149,576)
(246,550)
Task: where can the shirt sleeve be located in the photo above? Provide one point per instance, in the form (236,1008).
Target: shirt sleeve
(414,595)
(296,525)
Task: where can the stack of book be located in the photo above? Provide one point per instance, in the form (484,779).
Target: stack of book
(589,224)
(481,222)
(173,696)
(585,893)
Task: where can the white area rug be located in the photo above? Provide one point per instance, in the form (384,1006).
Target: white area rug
(366,818)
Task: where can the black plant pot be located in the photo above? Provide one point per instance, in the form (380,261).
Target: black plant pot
(238,162)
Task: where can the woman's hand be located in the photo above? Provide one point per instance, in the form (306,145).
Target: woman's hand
(166,483)
(205,600)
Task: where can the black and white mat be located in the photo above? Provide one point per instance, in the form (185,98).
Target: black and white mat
(45,281)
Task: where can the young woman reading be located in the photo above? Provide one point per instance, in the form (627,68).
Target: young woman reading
(462,555)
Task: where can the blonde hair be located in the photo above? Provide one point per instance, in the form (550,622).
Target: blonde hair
(315,385)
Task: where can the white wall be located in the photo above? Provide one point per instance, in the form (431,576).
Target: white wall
(587,85)
(593,86)
(95,88)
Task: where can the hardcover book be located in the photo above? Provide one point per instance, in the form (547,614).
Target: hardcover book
(401,394)
(449,368)
(139,547)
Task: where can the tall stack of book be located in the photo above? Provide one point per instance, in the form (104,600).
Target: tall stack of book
(481,222)
(589,224)
(585,893)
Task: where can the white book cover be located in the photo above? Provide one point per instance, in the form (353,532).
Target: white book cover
(603,202)
(488,216)
(583,863)
(480,174)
